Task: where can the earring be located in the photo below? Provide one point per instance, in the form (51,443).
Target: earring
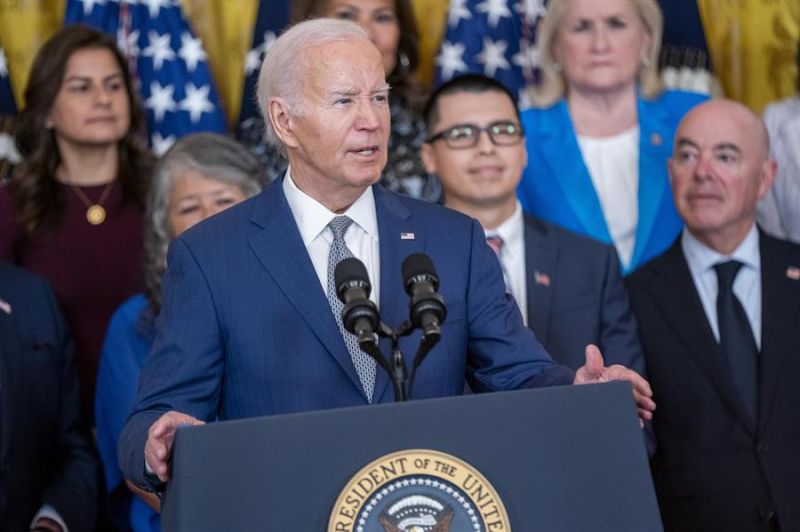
(646,61)
(556,66)
(403,64)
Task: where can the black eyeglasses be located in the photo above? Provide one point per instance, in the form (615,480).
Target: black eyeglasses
(465,136)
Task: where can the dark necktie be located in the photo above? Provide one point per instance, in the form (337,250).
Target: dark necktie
(365,364)
(736,336)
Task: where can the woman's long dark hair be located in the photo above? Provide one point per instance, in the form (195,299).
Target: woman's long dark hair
(39,199)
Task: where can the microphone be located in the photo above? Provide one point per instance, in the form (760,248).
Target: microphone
(360,314)
(426,310)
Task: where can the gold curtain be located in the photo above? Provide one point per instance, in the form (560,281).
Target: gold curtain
(24,26)
(753,45)
(431,16)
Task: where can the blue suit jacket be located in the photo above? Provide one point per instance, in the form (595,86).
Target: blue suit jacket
(557,187)
(583,300)
(246,329)
(46,453)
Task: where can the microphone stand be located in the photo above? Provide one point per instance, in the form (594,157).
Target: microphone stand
(395,366)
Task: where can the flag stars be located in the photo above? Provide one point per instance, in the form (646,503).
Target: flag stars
(527,57)
(458,11)
(88,6)
(128,43)
(161,100)
(451,59)
(191,51)
(493,56)
(154,6)
(159,49)
(160,144)
(3,64)
(196,101)
(494,11)
(531,10)
(253,58)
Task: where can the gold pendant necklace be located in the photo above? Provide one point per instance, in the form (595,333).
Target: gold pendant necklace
(95,212)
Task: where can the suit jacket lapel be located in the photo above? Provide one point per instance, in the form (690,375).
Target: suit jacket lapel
(281,251)
(562,154)
(780,312)
(540,257)
(654,149)
(684,311)
(400,236)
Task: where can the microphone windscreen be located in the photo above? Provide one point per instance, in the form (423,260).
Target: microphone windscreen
(417,264)
(350,271)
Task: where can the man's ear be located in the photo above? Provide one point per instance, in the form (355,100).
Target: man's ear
(428,157)
(768,170)
(282,120)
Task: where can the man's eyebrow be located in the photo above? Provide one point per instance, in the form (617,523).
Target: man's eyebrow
(728,146)
(686,143)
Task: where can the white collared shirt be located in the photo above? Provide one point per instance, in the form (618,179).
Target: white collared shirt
(361,238)
(512,231)
(747,286)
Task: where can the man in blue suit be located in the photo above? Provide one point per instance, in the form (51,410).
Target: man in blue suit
(568,287)
(48,466)
(247,325)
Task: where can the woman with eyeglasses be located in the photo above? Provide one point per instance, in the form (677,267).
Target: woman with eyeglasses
(599,139)
(391,27)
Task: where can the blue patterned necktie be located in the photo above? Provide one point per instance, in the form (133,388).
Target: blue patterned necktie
(365,364)
(736,337)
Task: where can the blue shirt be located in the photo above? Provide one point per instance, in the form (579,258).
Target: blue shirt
(128,341)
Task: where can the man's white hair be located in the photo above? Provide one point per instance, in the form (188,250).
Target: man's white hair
(284,64)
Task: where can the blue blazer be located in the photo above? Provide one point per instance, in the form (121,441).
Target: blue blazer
(557,187)
(46,451)
(583,299)
(246,329)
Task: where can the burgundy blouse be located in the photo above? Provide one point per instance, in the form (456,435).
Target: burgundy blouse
(92,268)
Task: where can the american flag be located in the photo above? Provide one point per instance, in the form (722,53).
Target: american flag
(167,59)
(7,106)
(8,150)
(492,37)
(272,18)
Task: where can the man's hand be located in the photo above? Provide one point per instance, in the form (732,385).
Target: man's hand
(159,441)
(594,371)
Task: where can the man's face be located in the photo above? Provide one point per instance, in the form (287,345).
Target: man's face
(719,170)
(486,174)
(339,137)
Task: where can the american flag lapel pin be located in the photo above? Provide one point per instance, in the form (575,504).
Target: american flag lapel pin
(407,236)
(793,273)
(5,306)
(541,278)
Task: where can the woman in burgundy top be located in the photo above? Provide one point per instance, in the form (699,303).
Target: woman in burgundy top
(73,210)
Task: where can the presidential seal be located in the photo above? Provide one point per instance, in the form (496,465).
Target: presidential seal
(418,490)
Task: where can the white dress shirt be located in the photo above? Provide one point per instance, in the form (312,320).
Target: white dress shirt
(512,257)
(312,220)
(747,286)
(613,164)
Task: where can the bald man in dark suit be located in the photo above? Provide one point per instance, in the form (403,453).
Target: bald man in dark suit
(719,315)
